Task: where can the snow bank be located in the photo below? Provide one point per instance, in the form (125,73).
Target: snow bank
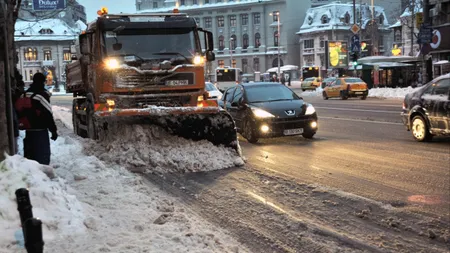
(391,92)
(61,213)
(151,147)
(93,206)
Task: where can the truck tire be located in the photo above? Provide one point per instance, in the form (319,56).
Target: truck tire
(90,122)
(76,122)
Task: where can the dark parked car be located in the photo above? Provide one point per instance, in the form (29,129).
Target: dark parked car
(263,110)
(426,111)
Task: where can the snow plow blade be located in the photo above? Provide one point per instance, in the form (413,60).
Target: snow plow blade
(195,123)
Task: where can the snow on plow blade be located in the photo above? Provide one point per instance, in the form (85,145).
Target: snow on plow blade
(195,123)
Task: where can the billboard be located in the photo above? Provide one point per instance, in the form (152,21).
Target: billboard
(337,52)
(48,5)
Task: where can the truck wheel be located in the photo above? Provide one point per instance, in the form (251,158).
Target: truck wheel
(76,122)
(90,122)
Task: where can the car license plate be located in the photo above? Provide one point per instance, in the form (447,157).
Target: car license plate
(293,131)
(177,82)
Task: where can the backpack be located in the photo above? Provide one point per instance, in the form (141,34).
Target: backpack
(26,112)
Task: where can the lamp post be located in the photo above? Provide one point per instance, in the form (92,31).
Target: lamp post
(231,52)
(279,39)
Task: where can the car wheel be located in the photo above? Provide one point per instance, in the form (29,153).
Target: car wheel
(308,135)
(363,97)
(324,95)
(419,129)
(249,132)
(343,96)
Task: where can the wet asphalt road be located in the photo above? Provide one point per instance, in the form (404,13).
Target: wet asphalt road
(361,148)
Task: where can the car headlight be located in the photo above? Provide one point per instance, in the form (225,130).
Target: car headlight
(310,110)
(261,113)
(112,63)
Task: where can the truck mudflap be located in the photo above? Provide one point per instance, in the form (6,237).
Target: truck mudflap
(195,123)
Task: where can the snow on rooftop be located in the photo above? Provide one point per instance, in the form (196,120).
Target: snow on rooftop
(25,30)
(335,14)
(417,8)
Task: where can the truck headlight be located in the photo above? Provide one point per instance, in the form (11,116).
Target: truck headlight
(261,113)
(199,60)
(310,110)
(112,63)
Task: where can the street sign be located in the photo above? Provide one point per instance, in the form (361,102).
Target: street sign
(47,5)
(355,28)
(425,34)
(356,43)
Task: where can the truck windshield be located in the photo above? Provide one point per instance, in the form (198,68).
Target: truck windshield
(147,43)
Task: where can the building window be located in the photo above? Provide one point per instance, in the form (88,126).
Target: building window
(257,40)
(275,16)
(221,43)
(346,18)
(381,19)
(324,19)
(245,41)
(67,56)
(155,5)
(31,74)
(244,65)
(233,21)
(256,18)
(206,1)
(256,64)
(47,55)
(322,42)
(275,38)
(233,63)
(194,2)
(398,36)
(220,21)
(219,1)
(208,22)
(197,20)
(182,2)
(30,54)
(244,18)
(220,63)
(233,42)
(308,43)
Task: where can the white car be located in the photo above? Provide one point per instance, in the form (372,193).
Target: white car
(212,90)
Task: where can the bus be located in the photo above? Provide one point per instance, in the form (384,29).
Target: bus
(289,72)
(227,77)
(310,71)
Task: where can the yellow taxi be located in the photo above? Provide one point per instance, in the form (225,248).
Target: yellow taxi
(311,83)
(345,87)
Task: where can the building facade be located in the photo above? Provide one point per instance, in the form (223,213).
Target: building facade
(44,46)
(332,22)
(245,31)
(440,21)
(71,14)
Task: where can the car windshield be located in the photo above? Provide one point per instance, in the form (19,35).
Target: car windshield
(210,87)
(309,79)
(353,80)
(269,92)
(148,43)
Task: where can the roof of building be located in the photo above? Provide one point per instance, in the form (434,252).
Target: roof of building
(203,6)
(335,14)
(60,30)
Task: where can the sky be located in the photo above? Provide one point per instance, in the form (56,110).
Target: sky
(114,6)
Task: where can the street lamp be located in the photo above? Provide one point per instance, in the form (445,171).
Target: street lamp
(231,52)
(279,39)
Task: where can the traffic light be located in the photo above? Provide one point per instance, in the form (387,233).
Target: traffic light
(354,58)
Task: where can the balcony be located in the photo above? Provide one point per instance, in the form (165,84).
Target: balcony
(49,63)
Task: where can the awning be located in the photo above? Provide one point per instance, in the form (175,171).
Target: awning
(389,64)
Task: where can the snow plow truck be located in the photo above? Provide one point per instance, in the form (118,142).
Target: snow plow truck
(145,69)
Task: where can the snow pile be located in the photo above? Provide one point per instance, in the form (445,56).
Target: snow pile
(151,147)
(391,92)
(64,114)
(61,213)
(99,207)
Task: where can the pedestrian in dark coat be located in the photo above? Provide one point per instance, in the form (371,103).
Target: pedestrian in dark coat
(36,142)
(282,79)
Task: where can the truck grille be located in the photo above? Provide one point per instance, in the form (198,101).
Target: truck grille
(132,79)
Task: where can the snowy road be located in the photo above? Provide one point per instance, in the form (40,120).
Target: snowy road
(362,185)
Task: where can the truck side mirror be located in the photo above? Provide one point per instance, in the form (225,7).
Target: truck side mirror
(210,56)
(84,44)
